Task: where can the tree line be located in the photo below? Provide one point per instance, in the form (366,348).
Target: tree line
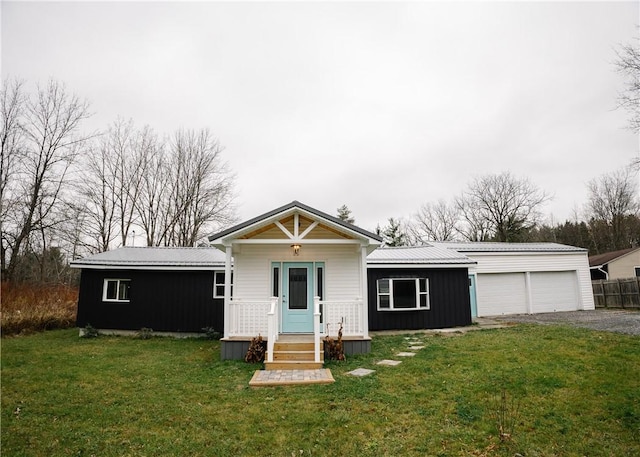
(66,193)
(505,208)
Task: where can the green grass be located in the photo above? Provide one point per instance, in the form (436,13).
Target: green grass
(577,392)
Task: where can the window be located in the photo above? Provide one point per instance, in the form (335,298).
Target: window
(218,284)
(320,281)
(116,290)
(275,289)
(403,294)
(637,269)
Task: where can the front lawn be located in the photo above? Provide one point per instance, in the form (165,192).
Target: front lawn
(569,392)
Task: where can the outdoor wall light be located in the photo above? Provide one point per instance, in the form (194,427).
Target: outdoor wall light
(296,249)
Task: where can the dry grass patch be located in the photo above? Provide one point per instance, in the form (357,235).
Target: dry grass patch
(28,308)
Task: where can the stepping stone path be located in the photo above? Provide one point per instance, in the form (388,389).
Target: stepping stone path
(389,363)
(414,345)
(361,372)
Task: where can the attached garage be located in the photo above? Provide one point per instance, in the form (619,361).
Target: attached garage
(553,291)
(525,278)
(501,293)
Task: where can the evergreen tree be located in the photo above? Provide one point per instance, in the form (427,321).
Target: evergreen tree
(344,213)
(393,234)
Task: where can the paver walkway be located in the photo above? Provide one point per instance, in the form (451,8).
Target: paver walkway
(264,378)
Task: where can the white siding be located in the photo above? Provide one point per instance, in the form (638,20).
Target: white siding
(501,293)
(573,264)
(252,269)
(554,291)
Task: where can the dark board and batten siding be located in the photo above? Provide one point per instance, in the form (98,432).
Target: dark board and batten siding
(448,298)
(165,301)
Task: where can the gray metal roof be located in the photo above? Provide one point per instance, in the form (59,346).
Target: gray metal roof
(154,257)
(424,255)
(434,253)
(506,247)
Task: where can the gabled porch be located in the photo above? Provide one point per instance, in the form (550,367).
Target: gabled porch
(296,271)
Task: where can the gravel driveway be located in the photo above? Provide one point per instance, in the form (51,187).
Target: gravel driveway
(620,321)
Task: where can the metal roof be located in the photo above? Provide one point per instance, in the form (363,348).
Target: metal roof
(434,253)
(425,255)
(478,247)
(288,207)
(154,257)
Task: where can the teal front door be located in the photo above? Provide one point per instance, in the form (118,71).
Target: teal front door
(297,297)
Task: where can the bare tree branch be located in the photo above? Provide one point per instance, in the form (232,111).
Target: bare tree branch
(435,222)
(500,206)
(50,122)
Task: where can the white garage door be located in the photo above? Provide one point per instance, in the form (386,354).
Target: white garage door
(501,293)
(554,291)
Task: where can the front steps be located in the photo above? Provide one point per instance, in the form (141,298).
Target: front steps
(295,352)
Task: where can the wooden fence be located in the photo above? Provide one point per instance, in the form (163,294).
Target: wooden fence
(617,293)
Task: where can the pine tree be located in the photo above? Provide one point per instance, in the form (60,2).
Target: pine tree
(344,213)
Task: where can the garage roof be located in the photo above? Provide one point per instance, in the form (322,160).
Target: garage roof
(507,247)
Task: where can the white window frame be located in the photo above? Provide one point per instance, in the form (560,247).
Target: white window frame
(636,270)
(119,281)
(419,294)
(216,284)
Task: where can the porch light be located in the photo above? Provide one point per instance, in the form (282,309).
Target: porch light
(296,249)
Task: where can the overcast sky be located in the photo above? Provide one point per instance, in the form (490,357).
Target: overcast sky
(380,106)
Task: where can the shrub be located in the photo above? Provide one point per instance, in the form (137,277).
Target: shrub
(89,331)
(211,334)
(144,333)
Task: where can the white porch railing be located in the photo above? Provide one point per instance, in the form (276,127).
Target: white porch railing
(273,319)
(249,317)
(348,312)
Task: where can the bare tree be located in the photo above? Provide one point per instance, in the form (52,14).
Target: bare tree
(612,199)
(97,188)
(474,225)
(501,205)
(628,64)
(50,122)
(435,222)
(12,106)
(128,149)
(201,187)
(154,205)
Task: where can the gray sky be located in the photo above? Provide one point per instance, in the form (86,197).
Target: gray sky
(380,106)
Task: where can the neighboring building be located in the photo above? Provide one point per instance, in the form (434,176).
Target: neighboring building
(616,265)
(297,270)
